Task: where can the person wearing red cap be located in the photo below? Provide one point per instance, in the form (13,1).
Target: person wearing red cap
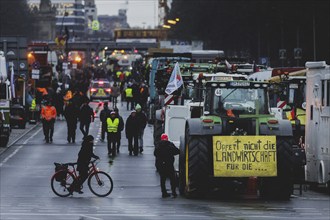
(164,153)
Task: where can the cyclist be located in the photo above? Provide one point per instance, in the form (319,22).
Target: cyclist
(84,157)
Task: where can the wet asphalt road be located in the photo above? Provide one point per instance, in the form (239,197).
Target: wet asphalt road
(25,193)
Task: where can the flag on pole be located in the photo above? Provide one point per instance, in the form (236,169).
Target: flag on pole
(175,81)
(12,82)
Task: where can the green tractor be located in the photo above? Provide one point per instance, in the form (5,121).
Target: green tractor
(235,142)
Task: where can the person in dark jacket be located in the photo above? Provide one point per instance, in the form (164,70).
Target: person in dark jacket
(142,123)
(86,116)
(120,128)
(84,157)
(70,114)
(136,93)
(59,103)
(78,99)
(132,133)
(164,153)
(144,94)
(104,114)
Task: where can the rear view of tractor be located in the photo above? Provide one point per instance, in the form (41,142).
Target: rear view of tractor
(235,141)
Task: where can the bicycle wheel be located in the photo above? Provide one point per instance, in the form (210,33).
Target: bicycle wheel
(100,183)
(60,188)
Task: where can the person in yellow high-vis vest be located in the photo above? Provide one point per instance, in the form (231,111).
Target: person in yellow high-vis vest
(112,131)
(118,73)
(33,105)
(129,97)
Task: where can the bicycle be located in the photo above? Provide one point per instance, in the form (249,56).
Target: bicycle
(99,182)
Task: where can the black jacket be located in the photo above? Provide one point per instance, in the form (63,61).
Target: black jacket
(135,92)
(164,153)
(71,113)
(85,155)
(104,114)
(86,114)
(131,127)
(142,120)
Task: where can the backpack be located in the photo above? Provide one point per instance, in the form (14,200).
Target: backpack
(62,175)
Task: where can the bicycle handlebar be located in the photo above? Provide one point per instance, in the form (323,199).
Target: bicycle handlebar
(94,160)
(71,164)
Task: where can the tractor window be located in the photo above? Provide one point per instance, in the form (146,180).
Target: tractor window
(238,100)
(291,95)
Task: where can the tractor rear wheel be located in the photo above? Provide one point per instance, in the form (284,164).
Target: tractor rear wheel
(198,165)
(280,187)
(182,169)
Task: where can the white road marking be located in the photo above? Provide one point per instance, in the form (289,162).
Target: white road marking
(19,147)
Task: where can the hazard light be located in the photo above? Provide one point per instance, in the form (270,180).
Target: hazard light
(101,82)
(272,121)
(208,120)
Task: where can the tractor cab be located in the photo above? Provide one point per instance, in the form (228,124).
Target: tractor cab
(238,104)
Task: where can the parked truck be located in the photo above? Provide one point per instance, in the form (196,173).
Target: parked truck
(5,99)
(318,124)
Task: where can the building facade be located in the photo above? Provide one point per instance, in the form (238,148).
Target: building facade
(109,23)
(76,18)
(90,14)
(69,14)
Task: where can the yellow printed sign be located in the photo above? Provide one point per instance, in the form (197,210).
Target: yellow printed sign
(100,92)
(244,156)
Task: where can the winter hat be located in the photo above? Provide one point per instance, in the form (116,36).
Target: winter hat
(164,137)
(89,138)
(138,107)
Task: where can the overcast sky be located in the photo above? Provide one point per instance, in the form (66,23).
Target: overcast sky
(142,13)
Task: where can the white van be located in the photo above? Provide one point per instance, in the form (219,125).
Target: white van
(317,130)
(3,67)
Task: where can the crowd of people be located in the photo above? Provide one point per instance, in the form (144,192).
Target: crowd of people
(73,105)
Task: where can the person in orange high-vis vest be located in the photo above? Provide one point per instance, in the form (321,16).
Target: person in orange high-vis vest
(48,114)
